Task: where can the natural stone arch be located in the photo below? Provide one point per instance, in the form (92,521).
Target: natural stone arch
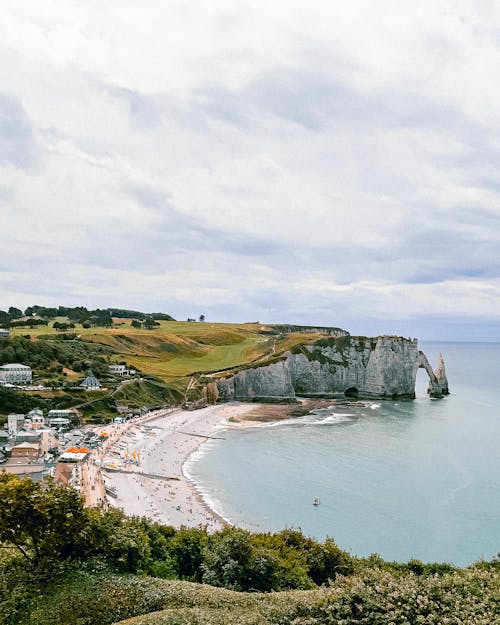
(438,383)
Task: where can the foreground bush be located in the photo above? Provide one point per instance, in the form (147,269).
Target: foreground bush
(372,597)
(379,597)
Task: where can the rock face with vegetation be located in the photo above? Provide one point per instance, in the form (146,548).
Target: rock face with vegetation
(381,367)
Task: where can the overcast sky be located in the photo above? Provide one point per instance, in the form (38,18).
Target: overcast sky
(311,162)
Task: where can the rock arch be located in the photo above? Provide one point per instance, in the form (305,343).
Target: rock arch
(438,382)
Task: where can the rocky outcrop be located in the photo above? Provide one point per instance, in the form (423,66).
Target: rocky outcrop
(382,367)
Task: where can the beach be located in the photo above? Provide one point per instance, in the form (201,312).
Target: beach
(142,464)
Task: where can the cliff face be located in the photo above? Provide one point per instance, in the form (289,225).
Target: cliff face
(382,367)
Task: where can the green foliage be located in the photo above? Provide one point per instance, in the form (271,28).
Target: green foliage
(187,549)
(14,401)
(61,326)
(41,354)
(122,542)
(44,521)
(237,559)
(62,561)
(380,597)
(375,597)
(30,322)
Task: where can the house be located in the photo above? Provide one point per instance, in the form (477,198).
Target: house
(59,422)
(14,423)
(4,439)
(69,414)
(26,451)
(4,333)
(74,454)
(16,374)
(91,383)
(25,436)
(121,370)
(36,471)
(35,419)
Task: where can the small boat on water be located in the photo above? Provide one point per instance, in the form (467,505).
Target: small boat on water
(316,502)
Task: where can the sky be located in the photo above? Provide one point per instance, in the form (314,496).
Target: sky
(320,163)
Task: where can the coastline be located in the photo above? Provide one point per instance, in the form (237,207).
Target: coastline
(158,486)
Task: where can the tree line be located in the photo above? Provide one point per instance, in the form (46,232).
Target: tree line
(102,317)
(46,523)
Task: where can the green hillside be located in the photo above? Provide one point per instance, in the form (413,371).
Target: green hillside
(170,357)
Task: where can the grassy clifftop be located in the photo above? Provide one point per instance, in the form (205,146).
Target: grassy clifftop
(173,354)
(177,349)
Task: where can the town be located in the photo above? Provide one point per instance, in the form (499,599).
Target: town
(58,444)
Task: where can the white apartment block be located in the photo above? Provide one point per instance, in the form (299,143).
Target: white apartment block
(15,374)
(15,422)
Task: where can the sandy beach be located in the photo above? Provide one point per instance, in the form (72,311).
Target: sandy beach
(143,464)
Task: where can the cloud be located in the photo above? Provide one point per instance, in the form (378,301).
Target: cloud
(333,165)
(17,145)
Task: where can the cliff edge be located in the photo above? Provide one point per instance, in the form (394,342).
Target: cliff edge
(350,366)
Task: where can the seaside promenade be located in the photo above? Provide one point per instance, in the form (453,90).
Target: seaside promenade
(155,485)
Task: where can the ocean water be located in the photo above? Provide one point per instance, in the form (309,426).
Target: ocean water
(405,479)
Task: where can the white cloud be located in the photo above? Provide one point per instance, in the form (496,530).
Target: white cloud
(273,160)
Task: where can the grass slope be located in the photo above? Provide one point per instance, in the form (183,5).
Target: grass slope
(175,354)
(180,349)
(375,596)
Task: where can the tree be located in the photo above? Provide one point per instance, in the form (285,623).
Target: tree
(136,324)
(202,317)
(150,324)
(43,521)
(15,313)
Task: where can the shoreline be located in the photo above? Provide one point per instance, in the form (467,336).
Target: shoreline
(158,486)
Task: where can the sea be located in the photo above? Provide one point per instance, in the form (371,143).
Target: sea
(403,479)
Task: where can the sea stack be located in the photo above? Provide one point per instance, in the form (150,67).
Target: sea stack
(440,385)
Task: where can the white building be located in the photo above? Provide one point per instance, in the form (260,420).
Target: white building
(14,423)
(4,332)
(15,374)
(59,422)
(35,420)
(121,370)
(91,383)
(61,412)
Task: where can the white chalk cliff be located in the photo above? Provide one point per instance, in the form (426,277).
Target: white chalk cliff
(381,367)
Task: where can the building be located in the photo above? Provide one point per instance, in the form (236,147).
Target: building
(4,332)
(4,439)
(121,370)
(64,413)
(61,412)
(35,419)
(15,374)
(28,452)
(14,423)
(59,422)
(91,383)
(48,441)
(74,454)
(19,467)
(28,436)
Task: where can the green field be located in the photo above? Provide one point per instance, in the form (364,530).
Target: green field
(179,349)
(176,355)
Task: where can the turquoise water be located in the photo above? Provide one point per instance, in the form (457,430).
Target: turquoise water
(414,479)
